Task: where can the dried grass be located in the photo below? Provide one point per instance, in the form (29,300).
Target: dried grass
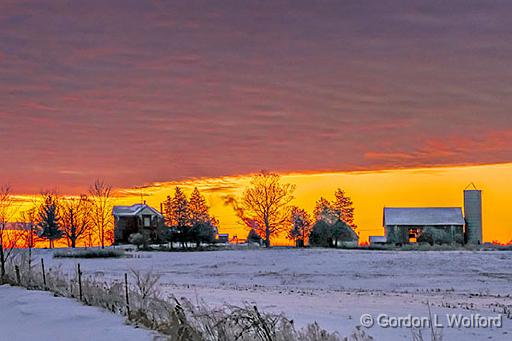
(177,320)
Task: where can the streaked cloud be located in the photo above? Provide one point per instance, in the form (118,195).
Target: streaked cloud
(141,92)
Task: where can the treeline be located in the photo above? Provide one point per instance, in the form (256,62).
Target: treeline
(86,219)
(265,208)
(186,221)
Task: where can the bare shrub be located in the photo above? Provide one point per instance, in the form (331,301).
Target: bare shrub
(358,335)
(145,287)
(238,323)
(417,335)
(89,253)
(313,332)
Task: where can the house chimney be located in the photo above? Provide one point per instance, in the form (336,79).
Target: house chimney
(162,208)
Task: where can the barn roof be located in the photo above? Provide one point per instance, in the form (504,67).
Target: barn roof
(132,210)
(423,216)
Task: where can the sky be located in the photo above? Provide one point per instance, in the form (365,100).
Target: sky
(143,92)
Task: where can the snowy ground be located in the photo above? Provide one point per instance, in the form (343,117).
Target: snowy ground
(37,315)
(333,287)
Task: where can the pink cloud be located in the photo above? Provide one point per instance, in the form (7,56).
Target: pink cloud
(158,91)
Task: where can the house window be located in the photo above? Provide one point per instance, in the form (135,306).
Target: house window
(147,221)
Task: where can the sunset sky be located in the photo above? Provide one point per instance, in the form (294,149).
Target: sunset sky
(370,191)
(144,92)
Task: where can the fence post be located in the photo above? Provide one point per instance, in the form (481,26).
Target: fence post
(18,279)
(80,282)
(44,274)
(126,295)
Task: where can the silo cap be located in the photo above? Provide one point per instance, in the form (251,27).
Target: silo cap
(471,185)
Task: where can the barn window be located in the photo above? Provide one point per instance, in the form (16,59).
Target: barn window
(413,235)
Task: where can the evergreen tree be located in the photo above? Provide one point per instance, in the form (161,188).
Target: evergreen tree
(168,211)
(179,212)
(325,234)
(334,221)
(189,220)
(254,237)
(344,207)
(203,232)
(300,226)
(203,225)
(198,208)
(177,217)
(49,218)
(324,209)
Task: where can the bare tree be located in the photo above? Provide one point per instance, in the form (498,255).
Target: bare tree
(29,218)
(7,212)
(267,202)
(102,220)
(76,218)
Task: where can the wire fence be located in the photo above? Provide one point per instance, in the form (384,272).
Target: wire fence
(136,296)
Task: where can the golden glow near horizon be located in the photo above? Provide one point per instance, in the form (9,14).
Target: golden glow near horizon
(371,192)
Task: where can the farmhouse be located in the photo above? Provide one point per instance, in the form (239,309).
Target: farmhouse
(436,225)
(136,218)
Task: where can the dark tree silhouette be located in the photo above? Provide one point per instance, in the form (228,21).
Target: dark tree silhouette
(300,226)
(49,218)
(345,207)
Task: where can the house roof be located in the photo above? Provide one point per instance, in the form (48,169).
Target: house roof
(133,210)
(423,216)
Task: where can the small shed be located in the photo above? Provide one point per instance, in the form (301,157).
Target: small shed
(378,240)
(223,238)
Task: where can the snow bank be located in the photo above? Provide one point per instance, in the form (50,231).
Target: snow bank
(333,287)
(38,315)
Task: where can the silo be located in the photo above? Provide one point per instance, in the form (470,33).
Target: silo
(473,215)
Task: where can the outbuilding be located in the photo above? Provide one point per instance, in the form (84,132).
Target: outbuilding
(435,225)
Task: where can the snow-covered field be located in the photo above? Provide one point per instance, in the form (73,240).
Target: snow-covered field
(37,315)
(333,287)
